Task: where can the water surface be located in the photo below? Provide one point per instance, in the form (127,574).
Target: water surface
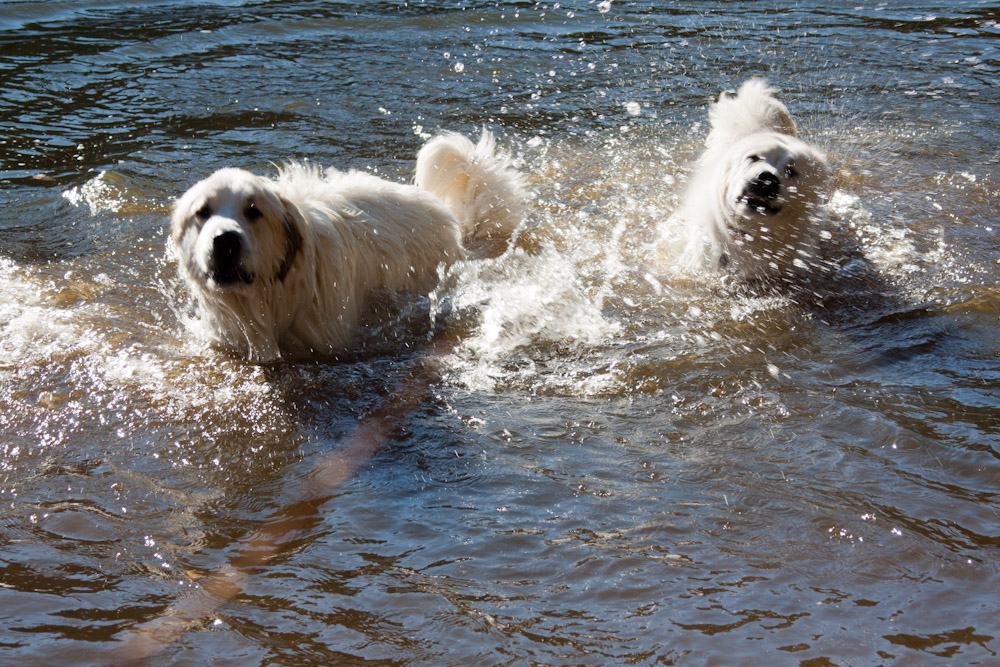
(616,464)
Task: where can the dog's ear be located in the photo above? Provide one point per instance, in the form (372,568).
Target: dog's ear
(177,224)
(783,122)
(181,211)
(291,228)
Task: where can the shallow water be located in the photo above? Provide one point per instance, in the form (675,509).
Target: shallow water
(616,464)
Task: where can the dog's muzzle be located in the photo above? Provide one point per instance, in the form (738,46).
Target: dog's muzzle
(224,266)
(763,193)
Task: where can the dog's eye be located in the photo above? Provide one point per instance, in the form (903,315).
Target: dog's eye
(204,213)
(790,170)
(252,213)
(754,158)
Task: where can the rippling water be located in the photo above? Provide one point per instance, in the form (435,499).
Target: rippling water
(616,464)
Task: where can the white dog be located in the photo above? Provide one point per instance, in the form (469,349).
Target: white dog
(285,266)
(755,204)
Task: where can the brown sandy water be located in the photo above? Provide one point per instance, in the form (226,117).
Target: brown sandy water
(616,464)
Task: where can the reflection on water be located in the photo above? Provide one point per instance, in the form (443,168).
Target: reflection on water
(618,464)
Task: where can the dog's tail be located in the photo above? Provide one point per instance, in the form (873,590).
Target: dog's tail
(481,187)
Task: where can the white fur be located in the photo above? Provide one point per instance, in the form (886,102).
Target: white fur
(311,245)
(479,188)
(753,140)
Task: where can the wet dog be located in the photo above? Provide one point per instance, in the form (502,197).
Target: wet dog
(756,202)
(285,266)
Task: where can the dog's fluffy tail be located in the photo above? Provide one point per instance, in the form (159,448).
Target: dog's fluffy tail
(753,108)
(480,186)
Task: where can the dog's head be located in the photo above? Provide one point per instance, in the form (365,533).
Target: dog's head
(773,186)
(233,230)
(771,174)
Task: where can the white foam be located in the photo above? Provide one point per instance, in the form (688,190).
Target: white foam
(100,193)
(60,332)
(30,328)
(522,304)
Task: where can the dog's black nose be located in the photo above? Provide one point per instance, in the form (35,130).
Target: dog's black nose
(765,185)
(226,248)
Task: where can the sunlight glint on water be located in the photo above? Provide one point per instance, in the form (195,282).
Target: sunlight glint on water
(622,463)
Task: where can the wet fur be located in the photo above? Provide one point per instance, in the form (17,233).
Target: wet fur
(284,266)
(756,202)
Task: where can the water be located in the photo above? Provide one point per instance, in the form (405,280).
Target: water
(616,464)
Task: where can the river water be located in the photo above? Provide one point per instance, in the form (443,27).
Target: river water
(615,463)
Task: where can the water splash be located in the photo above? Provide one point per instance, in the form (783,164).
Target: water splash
(520,308)
(101,193)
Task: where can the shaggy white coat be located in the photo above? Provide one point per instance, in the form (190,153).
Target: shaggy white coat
(756,201)
(285,266)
